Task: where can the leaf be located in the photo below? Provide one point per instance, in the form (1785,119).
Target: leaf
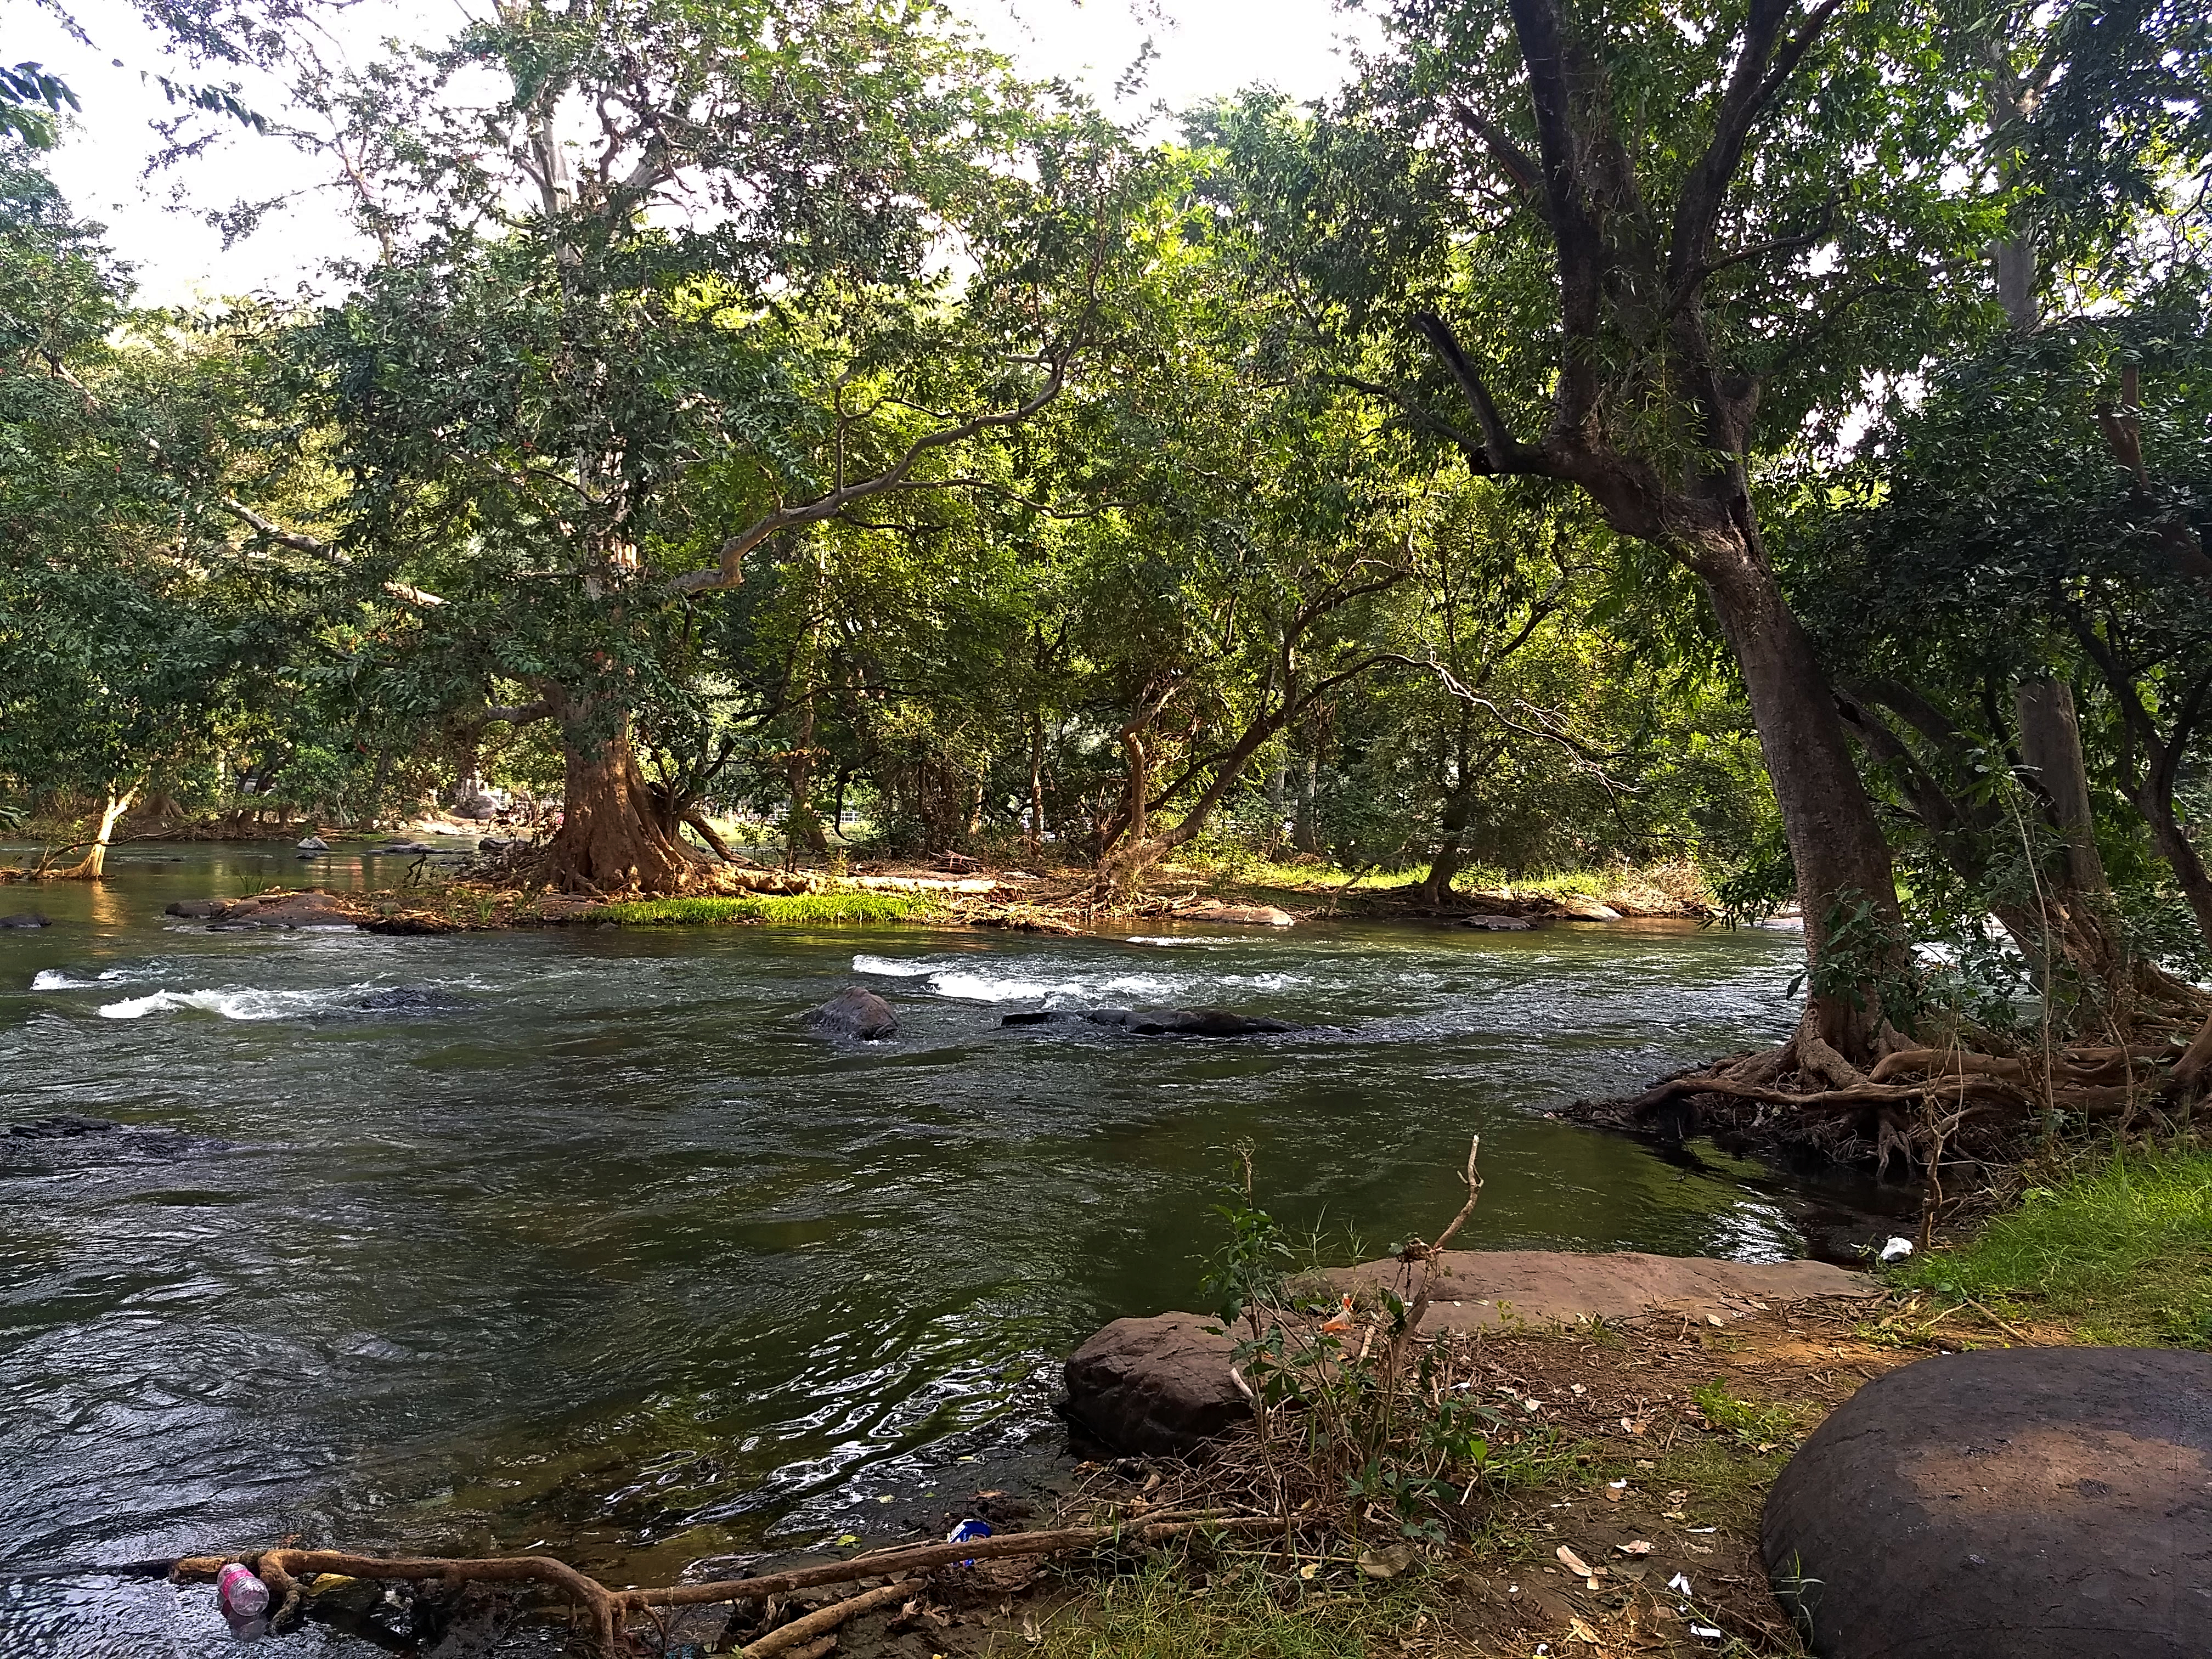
(1636,1547)
(1309,1569)
(1386,1563)
(1579,1630)
(1573,1562)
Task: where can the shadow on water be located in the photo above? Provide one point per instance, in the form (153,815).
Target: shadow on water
(580,1240)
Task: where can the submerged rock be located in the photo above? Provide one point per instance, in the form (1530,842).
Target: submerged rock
(63,1126)
(408,999)
(1156,1387)
(43,1144)
(1497,924)
(855,1012)
(27,919)
(1160,1021)
(2016,1503)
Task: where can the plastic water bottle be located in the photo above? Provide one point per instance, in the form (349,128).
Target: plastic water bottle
(242,1594)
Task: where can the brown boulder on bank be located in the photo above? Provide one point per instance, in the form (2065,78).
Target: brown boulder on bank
(1248,916)
(2018,1504)
(1156,1387)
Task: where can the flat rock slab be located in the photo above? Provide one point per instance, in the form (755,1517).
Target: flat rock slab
(2017,1504)
(1481,1290)
(310,908)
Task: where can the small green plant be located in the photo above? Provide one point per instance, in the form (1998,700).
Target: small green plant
(1355,1417)
(1761,1427)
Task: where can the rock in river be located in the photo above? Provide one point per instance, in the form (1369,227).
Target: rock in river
(1156,1387)
(1243,916)
(310,909)
(1159,1022)
(854,1013)
(1495,924)
(2016,1503)
(27,919)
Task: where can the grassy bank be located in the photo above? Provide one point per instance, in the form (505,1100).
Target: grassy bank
(2114,1250)
(789,910)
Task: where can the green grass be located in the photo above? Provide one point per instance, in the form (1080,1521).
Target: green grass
(2121,1250)
(1174,1609)
(787,910)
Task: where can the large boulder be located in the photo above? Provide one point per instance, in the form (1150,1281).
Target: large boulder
(2018,1503)
(1156,1387)
(854,1013)
(1242,915)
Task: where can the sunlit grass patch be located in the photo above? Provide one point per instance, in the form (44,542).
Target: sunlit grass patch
(2121,1250)
(789,910)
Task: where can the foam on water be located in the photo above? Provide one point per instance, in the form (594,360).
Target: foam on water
(890,969)
(248,1002)
(59,979)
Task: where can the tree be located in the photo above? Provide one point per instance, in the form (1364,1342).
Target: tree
(132,625)
(804,260)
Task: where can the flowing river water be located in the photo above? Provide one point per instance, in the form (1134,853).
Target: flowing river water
(578,1238)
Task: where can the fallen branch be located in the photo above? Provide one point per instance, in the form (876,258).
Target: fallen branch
(282,1570)
(799,1632)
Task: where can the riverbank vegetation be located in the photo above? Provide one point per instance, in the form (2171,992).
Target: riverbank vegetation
(1588,439)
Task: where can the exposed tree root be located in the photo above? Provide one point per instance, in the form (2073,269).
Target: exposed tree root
(606,1612)
(1917,1096)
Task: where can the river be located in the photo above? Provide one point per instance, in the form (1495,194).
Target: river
(582,1241)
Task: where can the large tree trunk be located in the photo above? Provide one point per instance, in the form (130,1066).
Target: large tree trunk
(1459,811)
(93,864)
(1841,858)
(610,839)
(805,823)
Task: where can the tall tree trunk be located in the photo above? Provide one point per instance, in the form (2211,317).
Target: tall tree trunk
(1037,786)
(805,823)
(93,864)
(1305,821)
(1841,858)
(611,838)
(1459,811)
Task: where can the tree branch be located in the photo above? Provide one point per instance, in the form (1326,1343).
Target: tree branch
(728,570)
(1502,453)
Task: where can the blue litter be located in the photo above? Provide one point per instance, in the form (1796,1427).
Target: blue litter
(967,1533)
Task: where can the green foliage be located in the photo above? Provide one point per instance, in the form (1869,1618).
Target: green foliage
(784,910)
(31,97)
(2120,1250)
